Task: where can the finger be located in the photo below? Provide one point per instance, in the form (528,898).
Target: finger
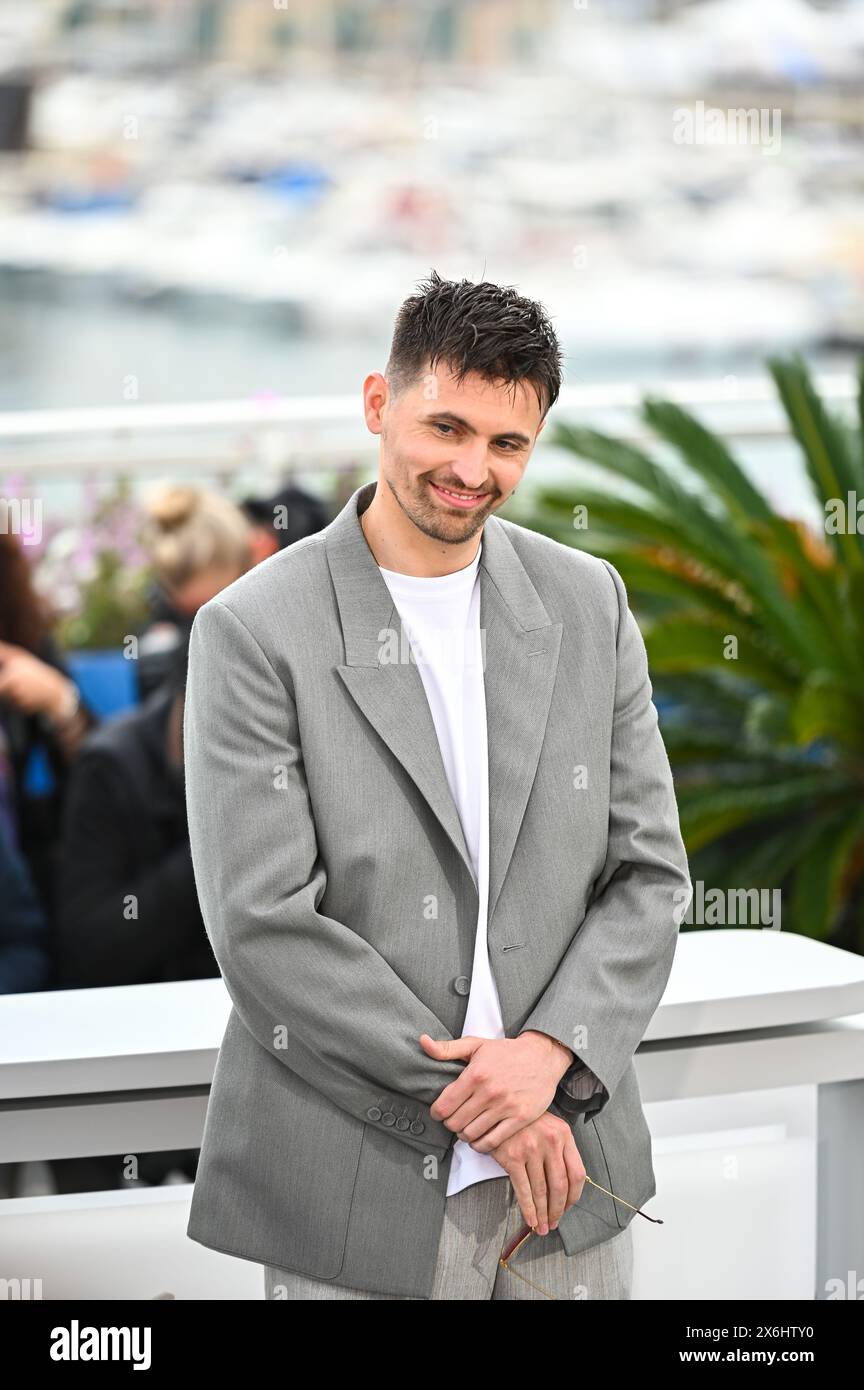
(537,1179)
(492,1138)
(479,1129)
(558,1184)
(522,1189)
(575,1171)
(452,1097)
(468,1113)
(446,1048)
(478,1116)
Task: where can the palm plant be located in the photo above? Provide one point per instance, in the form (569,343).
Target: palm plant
(754,625)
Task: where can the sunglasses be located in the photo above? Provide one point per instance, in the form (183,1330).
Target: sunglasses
(520,1239)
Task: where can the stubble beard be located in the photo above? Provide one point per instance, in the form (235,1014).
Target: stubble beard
(419,506)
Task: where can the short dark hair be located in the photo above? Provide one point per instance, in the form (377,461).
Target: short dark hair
(483,328)
(305,514)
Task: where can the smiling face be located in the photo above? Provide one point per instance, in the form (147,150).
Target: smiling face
(451,461)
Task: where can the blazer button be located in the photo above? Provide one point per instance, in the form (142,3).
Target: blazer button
(402,1123)
(462,984)
(417,1126)
(388,1118)
(373,1113)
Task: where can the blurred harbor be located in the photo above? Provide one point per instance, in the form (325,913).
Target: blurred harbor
(208,200)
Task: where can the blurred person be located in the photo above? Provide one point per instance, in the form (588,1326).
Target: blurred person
(197,542)
(24,945)
(128,909)
(24,954)
(282,519)
(41,709)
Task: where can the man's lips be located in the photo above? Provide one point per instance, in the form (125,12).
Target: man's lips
(466,503)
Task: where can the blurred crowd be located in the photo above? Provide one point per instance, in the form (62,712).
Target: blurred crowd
(96,879)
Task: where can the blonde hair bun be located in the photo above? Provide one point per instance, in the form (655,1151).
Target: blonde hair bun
(188,530)
(173,506)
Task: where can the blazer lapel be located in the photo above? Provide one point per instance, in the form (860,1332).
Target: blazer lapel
(521,661)
(522,647)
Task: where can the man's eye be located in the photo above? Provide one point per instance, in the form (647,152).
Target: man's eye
(440,425)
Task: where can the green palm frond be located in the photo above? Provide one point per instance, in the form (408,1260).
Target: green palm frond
(754,626)
(833,466)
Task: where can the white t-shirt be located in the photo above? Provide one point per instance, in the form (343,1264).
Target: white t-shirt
(441,617)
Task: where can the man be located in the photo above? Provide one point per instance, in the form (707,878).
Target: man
(125,839)
(437,849)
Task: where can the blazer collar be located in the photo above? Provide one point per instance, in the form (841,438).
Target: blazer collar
(522,644)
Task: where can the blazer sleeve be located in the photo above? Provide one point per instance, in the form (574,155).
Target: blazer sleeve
(611,978)
(311,990)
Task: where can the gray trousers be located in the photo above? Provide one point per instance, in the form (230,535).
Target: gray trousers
(479,1222)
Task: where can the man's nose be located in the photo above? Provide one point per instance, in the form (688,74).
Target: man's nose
(471,466)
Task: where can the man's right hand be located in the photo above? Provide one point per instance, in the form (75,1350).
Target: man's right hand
(546,1170)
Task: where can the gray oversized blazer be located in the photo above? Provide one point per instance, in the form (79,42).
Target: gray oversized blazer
(340,903)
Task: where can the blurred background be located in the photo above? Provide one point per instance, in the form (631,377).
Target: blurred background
(210,211)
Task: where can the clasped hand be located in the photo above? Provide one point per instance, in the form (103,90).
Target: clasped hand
(500,1105)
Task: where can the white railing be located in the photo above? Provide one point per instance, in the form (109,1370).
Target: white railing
(751,1071)
(328,434)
